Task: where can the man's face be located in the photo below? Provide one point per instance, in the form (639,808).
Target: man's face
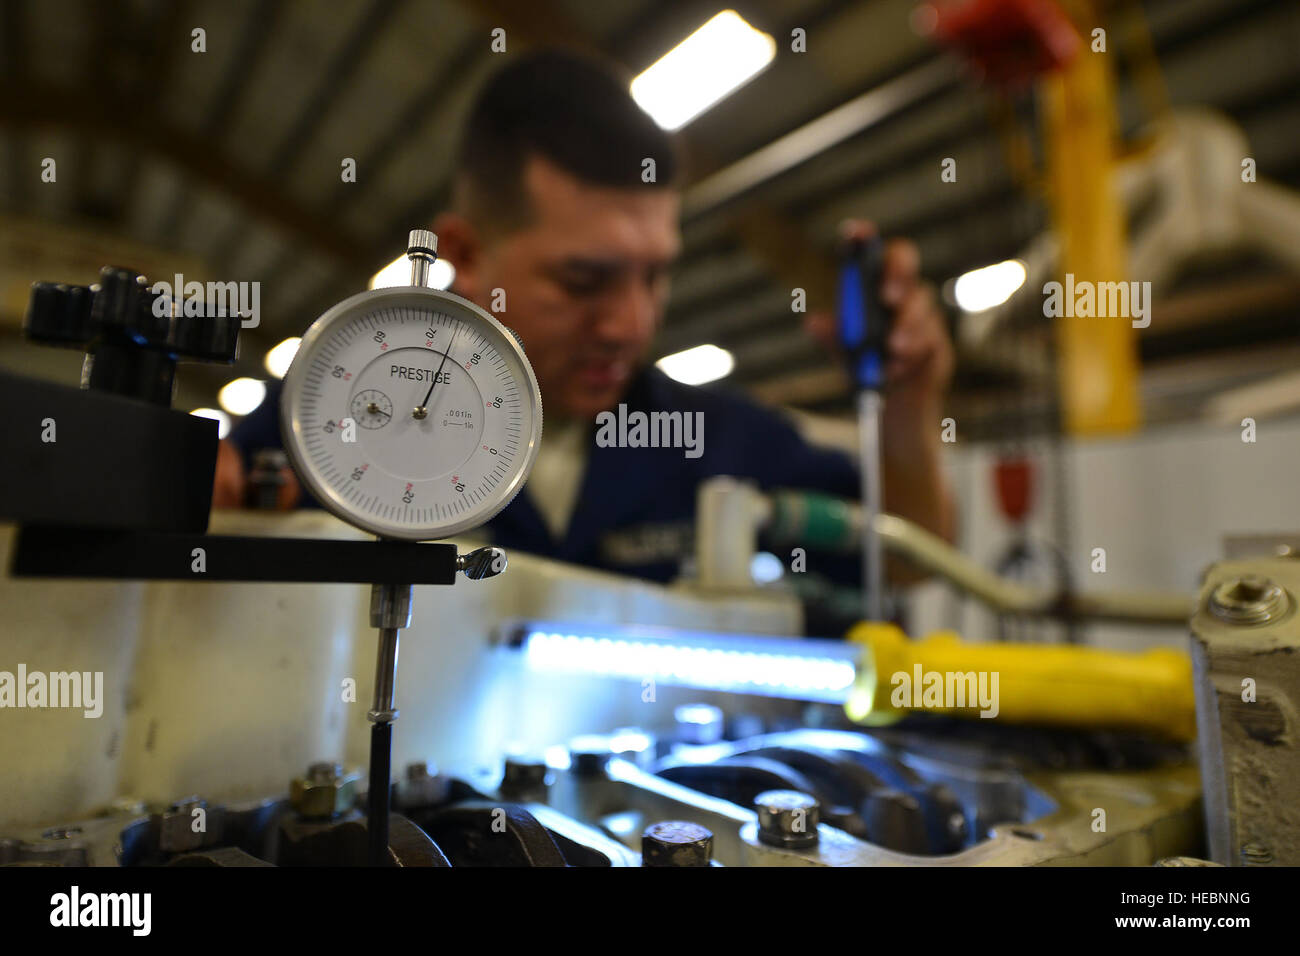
(585,283)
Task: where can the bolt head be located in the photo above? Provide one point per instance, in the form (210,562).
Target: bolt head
(176,832)
(589,755)
(325,792)
(523,774)
(787,818)
(422,788)
(699,723)
(676,843)
(324,771)
(1249,600)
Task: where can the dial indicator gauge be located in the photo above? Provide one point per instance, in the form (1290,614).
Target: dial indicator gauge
(411,413)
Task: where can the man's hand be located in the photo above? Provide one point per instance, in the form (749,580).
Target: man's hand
(229,484)
(920,351)
(917,374)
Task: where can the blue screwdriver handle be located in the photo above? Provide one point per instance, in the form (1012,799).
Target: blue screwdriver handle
(864,321)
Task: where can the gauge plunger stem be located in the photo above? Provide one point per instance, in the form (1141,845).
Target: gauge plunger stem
(390,611)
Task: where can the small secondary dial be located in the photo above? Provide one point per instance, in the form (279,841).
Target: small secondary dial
(372,408)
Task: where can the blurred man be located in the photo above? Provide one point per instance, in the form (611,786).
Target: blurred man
(549,205)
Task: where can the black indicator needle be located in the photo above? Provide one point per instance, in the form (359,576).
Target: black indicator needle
(422,410)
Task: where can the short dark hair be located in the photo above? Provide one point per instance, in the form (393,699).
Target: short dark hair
(569,108)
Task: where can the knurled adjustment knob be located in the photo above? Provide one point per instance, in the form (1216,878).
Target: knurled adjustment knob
(131,339)
(59,315)
(124,309)
(207,338)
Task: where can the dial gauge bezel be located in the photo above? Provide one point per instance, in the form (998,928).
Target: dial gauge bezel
(431,301)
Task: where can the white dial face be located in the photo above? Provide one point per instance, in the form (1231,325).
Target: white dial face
(411,413)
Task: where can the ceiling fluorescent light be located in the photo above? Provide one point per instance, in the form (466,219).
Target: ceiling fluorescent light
(716,59)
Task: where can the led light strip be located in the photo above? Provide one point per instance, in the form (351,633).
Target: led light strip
(812,670)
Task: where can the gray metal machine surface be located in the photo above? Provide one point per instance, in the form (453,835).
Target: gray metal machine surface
(1246,655)
(806,797)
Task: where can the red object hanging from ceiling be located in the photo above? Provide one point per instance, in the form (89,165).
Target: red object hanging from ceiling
(1009,42)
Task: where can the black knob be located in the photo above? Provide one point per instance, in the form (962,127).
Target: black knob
(59,315)
(207,338)
(124,311)
(131,339)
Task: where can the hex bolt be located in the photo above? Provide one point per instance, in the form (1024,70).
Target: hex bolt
(787,818)
(676,843)
(589,755)
(633,745)
(324,772)
(699,723)
(422,788)
(1249,600)
(324,791)
(175,830)
(523,775)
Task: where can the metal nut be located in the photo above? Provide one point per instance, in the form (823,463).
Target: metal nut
(699,723)
(676,843)
(421,788)
(633,745)
(176,832)
(523,775)
(325,791)
(787,818)
(589,755)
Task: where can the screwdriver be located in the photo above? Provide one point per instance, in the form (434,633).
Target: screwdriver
(863,330)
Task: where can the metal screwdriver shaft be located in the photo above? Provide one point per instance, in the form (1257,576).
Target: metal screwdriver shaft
(870,406)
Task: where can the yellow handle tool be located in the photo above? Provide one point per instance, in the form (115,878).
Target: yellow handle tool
(1063,685)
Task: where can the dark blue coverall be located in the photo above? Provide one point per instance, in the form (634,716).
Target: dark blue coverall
(635,511)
